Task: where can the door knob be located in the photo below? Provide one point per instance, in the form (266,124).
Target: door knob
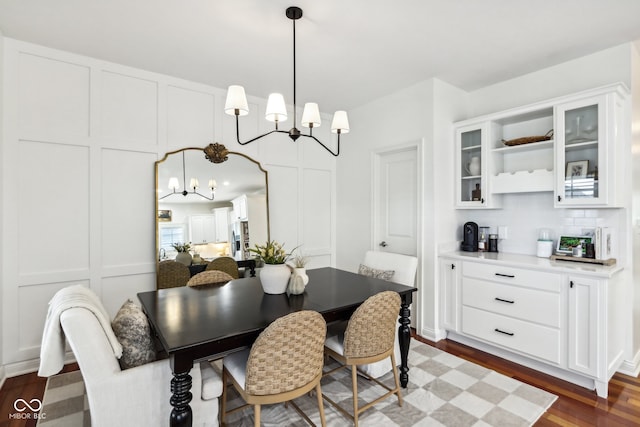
(383,244)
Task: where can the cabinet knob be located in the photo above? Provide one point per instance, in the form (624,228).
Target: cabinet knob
(383,244)
(571,284)
(453,266)
(482,200)
(559,198)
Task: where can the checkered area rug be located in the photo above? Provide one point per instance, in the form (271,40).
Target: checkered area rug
(443,390)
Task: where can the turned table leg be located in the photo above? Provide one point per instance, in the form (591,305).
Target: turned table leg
(181,415)
(404,337)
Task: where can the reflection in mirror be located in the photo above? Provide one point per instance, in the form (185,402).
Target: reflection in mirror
(234,220)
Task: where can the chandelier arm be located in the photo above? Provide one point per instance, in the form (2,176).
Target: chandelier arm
(324,146)
(257,137)
(202,195)
(170,194)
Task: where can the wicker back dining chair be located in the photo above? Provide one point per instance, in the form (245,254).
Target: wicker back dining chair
(285,362)
(172,274)
(369,338)
(226,264)
(211,277)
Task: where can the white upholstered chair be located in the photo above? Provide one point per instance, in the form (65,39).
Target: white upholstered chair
(136,396)
(404,272)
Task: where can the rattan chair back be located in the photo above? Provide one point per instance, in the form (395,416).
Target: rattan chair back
(172,274)
(226,264)
(211,277)
(369,338)
(287,355)
(371,329)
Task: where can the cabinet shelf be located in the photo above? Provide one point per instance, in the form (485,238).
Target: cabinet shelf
(472,147)
(472,177)
(570,146)
(542,145)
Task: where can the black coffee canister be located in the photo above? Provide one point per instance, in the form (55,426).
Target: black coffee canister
(493,243)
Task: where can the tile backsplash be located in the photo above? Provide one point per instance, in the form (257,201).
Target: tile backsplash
(525,214)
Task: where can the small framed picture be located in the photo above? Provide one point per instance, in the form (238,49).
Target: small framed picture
(164,215)
(577,169)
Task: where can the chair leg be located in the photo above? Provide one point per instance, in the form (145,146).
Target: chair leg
(323,421)
(354,380)
(223,404)
(395,377)
(256,415)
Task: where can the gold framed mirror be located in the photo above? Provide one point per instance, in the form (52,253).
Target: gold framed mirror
(213,200)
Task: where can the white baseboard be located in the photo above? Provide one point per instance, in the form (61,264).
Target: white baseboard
(29,366)
(3,375)
(631,367)
(434,335)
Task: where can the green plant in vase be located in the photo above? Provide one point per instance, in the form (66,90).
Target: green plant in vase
(183,257)
(181,247)
(275,274)
(271,252)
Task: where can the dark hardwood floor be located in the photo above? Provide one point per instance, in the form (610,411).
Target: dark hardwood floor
(575,406)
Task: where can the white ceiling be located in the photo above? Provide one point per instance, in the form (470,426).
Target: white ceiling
(349,51)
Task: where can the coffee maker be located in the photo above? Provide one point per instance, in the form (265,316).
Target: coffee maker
(469,237)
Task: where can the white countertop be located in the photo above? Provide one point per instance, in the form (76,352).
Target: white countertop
(535,263)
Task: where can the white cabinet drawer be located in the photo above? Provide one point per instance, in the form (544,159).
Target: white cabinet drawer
(533,340)
(523,303)
(517,276)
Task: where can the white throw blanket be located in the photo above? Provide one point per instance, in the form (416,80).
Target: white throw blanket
(53,341)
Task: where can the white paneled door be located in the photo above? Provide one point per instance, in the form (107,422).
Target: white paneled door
(396,201)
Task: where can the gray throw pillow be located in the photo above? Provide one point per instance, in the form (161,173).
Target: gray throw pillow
(131,327)
(375,273)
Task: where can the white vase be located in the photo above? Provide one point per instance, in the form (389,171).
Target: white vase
(184,258)
(473,167)
(275,278)
(298,281)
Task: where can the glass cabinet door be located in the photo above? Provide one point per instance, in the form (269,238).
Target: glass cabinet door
(580,152)
(471,189)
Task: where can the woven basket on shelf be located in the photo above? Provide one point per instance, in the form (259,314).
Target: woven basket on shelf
(529,139)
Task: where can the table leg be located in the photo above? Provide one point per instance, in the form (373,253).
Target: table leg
(404,337)
(181,414)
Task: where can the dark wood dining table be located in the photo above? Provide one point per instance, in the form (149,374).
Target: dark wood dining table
(207,322)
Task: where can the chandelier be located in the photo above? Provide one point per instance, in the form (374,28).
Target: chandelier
(174,185)
(236,105)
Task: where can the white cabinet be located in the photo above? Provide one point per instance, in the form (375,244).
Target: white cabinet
(472,189)
(222,224)
(545,316)
(240,211)
(514,308)
(589,143)
(202,229)
(584,335)
(571,146)
(449,294)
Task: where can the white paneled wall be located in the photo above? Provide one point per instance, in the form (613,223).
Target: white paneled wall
(79,142)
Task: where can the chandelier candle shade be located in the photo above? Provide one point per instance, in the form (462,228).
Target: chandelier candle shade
(276,112)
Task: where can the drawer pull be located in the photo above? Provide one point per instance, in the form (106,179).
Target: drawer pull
(503,332)
(511,276)
(504,300)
